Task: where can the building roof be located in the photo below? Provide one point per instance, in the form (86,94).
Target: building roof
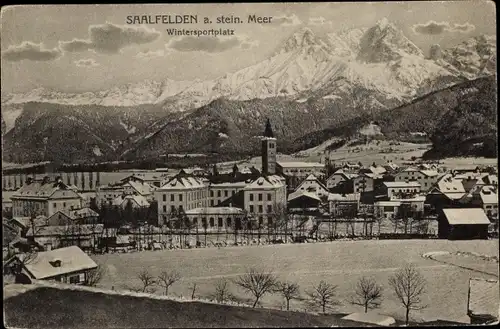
(215,211)
(83,212)
(346,175)
(465,216)
(343,197)
(229,185)
(138,199)
(373,318)
(489,195)
(73,259)
(298,194)
(272,181)
(402,184)
(42,189)
(181,182)
(300,164)
(391,203)
(430,173)
(141,188)
(483,297)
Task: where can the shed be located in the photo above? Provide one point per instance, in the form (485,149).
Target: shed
(483,305)
(463,223)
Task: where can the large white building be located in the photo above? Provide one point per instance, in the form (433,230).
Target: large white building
(426,178)
(257,195)
(44,197)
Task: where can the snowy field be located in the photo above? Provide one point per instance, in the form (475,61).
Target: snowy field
(341,263)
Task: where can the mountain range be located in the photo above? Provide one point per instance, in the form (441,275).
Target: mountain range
(322,81)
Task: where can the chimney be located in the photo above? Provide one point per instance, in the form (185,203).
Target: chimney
(45,180)
(56,262)
(29,180)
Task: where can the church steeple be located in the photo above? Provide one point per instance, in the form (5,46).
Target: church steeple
(268,131)
(268,150)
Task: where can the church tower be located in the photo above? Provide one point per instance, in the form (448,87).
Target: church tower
(268,151)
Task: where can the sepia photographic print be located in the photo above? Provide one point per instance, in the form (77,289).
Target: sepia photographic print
(250,165)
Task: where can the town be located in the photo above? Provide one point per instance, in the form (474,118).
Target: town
(63,217)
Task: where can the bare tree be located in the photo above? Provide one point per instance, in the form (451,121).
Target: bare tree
(258,283)
(323,295)
(289,291)
(222,294)
(147,279)
(409,285)
(94,276)
(167,278)
(367,294)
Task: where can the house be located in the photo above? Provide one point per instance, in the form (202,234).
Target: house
(340,203)
(485,197)
(386,209)
(425,177)
(463,223)
(75,216)
(447,192)
(364,182)
(300,169)
(396,189)
(133,200)
(303,202)
(44,197)
(67,265)
(57,236)
(106,194)
(150,180)
(263,195)
(313,185)
(181,193)
(219,192)
(483,301)
(216,218)
(338,177)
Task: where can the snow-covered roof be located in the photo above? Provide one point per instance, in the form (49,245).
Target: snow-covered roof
(347,175)
(72,259)
(229,185)
(430,173)
(215,211)
(401,184)
(448,184)
(142,188)
(483,297)
(462,216)
(489,195)
(343,197)
(76,229)
(300,164)
(298,194)
(183,182)
(272,181)
(39,189)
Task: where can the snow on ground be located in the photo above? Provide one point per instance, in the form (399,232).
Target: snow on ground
(340,262)
(331,97)
(302,100)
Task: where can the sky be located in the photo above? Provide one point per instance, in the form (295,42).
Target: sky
(77,48)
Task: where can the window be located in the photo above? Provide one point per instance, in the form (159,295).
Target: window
(212,203)
(220,223)
(74,279)
(164,197)
(181,208)
(55,205)
(261,220)
(225,193)
(218,194)
(269,196)
(180,197)
(195,221)
(269,221)
(260,208)
(211,193)
(260,196)
(172,208)
(204,222)
(251,196)
(212,222)
(269,208)
(228,222)
(172,197)
(164,208)
(251,209)
(64,204)
(233,193)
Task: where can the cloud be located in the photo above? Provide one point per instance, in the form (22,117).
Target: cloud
(434,28)
(319,21)
(148,54)
(284,20)
(30,51)
(87,62)
(463,28)
(210,44)
(110,38)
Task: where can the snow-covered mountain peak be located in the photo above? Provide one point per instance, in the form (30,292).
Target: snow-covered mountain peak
(303,38)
